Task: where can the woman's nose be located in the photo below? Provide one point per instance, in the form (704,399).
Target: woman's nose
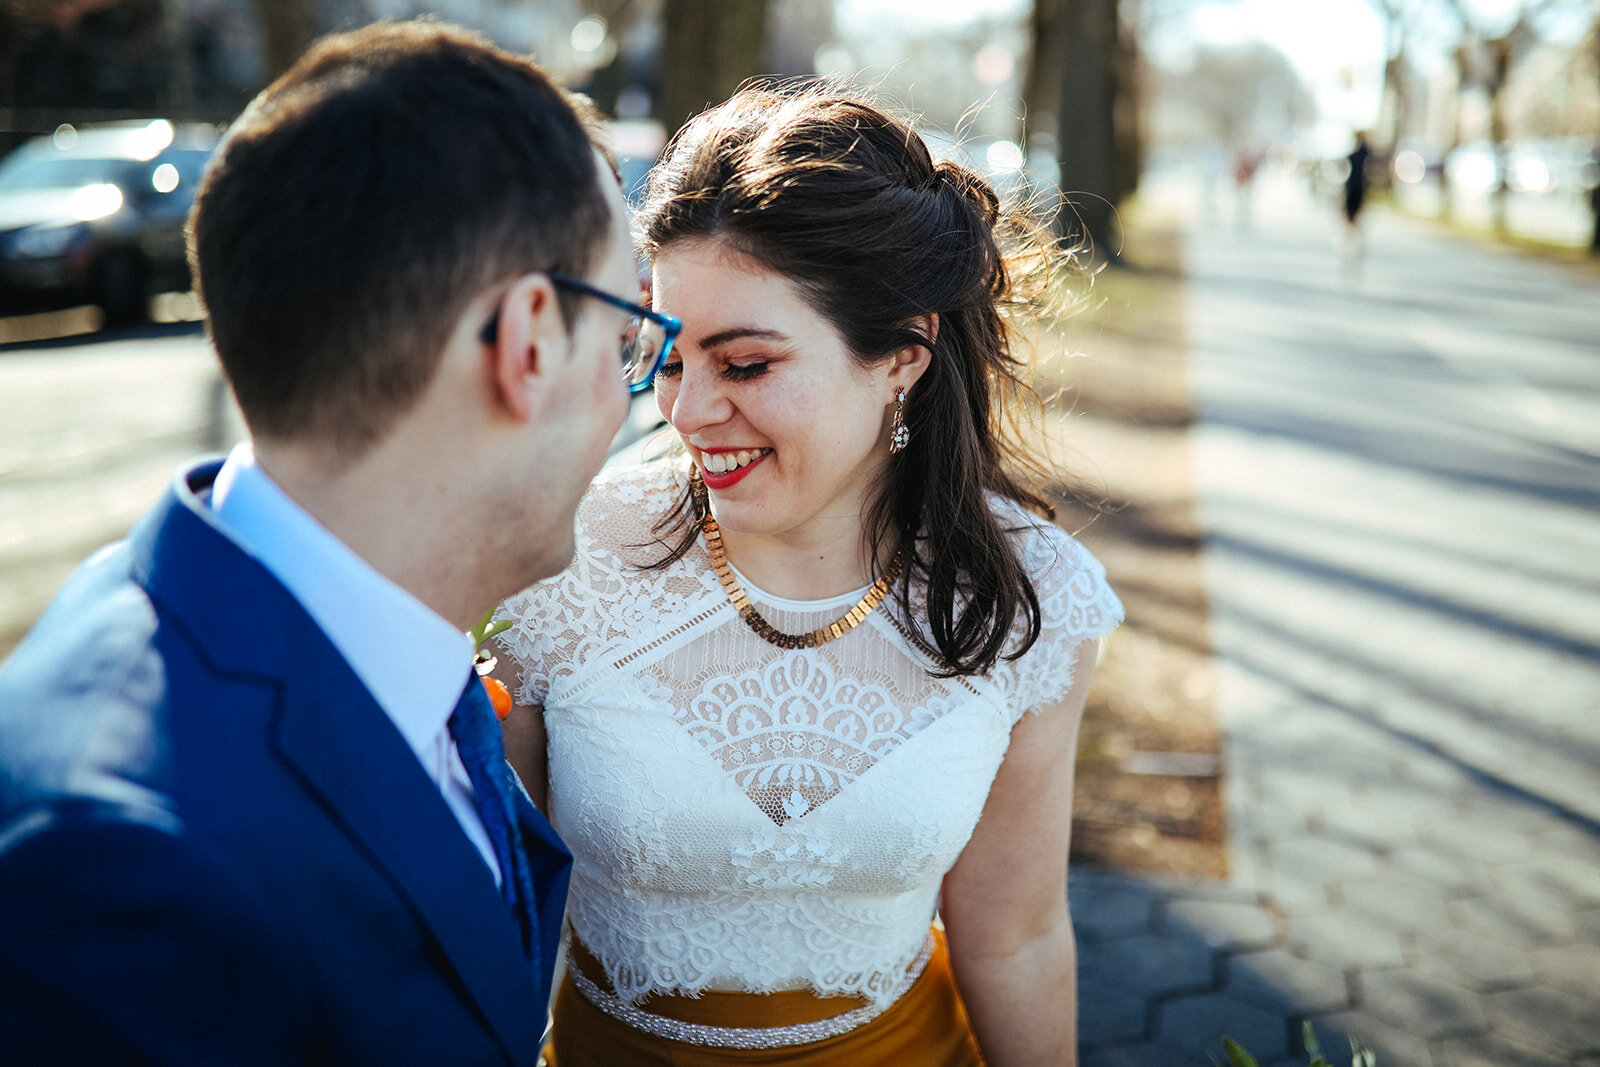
(698,401)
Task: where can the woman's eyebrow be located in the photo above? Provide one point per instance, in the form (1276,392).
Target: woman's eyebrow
(736,333)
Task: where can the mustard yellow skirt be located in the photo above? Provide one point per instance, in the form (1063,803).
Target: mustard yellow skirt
(926,1027)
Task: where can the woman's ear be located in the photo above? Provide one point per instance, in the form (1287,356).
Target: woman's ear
(912,361)
(529,332)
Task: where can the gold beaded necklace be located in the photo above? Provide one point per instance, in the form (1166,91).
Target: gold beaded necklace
(764,629)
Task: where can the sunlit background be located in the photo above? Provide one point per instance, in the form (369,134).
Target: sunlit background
(1482,108)
(1483,116)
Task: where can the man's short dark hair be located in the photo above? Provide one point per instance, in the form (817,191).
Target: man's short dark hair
(362,200)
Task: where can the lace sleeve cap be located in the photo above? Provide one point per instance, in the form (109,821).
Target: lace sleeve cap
(1076,604)
(534,642)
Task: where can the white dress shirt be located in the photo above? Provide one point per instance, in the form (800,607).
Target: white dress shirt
(412,661)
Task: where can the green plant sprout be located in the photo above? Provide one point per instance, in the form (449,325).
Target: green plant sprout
(486,628)
(1360,1055)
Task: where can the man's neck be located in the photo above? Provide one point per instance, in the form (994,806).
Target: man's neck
(388,508)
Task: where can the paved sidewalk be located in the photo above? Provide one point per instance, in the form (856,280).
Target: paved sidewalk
(1399,473)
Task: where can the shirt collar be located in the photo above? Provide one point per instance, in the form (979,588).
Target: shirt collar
(412,661)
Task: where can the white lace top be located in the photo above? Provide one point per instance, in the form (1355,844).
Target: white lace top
(747,817)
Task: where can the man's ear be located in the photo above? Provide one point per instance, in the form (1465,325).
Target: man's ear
(912,361)
(530,335)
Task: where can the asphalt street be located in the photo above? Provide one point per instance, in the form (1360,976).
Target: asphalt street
(92,428)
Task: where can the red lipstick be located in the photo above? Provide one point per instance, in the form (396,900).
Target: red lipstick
(732,478)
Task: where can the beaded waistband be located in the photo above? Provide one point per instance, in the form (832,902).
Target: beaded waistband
(743,1037)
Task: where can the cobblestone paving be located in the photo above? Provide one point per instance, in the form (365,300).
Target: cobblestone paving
(1399,466)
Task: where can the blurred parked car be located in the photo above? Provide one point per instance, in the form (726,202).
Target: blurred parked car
(95,214)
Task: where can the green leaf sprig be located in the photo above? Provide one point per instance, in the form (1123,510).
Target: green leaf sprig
(1361,1055)
(486,628)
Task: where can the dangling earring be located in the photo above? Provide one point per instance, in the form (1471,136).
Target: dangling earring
(899,433)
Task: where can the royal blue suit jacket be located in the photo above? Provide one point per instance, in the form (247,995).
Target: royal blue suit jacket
(216,848)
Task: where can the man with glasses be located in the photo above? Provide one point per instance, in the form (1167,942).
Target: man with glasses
(253,802)
(645,343)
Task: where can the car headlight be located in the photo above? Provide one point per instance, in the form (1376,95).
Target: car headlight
(45,242)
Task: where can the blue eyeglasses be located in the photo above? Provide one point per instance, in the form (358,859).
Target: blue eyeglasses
(645,342)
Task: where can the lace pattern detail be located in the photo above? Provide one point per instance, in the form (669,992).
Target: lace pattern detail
(748,817)
(753,944)
(792,733)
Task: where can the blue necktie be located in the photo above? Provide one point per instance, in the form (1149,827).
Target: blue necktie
(476,731)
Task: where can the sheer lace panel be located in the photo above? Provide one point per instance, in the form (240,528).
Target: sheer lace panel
(792,729)
(749,817)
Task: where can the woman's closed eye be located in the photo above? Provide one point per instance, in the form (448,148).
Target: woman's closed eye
(733,372)
(743,372)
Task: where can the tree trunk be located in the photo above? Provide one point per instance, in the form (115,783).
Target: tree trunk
(1462,58)
(1127,110)
(1393,94)
(1072,85)
(707,50)
(605,83)
(1594,206)
(1398,96)
(1041,85)
(287,29)
(1500,56)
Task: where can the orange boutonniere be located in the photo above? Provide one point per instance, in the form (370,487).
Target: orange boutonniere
(483,662)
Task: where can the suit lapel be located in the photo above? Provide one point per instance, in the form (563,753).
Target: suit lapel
(347,754)
(351,757)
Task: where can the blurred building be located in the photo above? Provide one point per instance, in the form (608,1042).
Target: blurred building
(85,60)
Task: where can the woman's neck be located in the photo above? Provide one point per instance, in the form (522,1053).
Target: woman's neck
(811,565)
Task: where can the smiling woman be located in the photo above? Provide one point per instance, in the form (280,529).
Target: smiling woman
(743,392)
(822,670)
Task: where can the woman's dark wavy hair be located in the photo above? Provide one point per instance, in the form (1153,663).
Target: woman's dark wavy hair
(845,200)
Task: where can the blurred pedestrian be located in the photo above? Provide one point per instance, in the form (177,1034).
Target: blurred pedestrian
(254,807)
(1355,194)
(1246,162)
(824,669)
